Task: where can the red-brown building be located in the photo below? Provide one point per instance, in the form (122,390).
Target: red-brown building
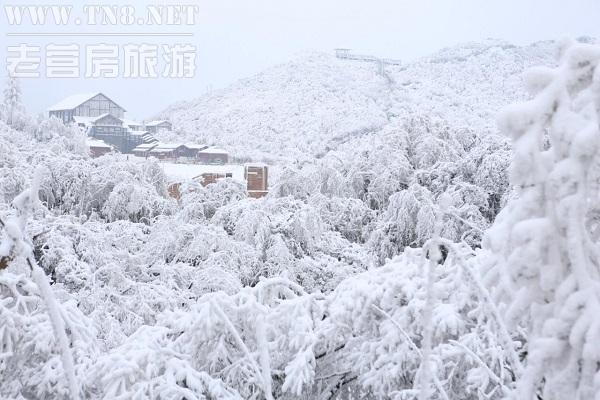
(212,155)
(98,148)
(211,177)
(257,178)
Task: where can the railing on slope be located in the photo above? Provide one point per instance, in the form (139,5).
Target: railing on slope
(345,54)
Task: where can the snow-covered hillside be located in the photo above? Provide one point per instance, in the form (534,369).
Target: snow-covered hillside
(299,106)
(309,106)
(468,85)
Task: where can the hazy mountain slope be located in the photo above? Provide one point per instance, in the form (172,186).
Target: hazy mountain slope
(290,109)
(304,108)
(467,85)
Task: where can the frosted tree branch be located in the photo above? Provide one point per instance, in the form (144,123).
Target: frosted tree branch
(22,246)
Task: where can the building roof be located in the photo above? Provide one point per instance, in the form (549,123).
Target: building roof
(149,138)
(158,122)
(91,120)
(99,117)
(214,150)
(73,101)
(98,143)
(194,146)
(167,146)
(160,147)
(145,146)
(76,100)
(189,172)
(130,122)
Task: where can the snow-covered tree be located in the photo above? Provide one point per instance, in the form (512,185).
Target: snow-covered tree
(545,264)
(53,133)
(12,110)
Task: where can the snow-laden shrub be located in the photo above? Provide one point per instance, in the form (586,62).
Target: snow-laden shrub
(260,341)
(30,362)
(12,168)
(377,330)
(201,202)
(115,189)
(301,181)
(407,221)
(544,265)
(129,200)
(350,217)
(254,222)
(53,133)
(276,341)
(147,367)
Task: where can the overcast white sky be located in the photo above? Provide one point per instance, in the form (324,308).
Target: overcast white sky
(238,38)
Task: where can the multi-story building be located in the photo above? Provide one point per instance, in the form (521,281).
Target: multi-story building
(102,119)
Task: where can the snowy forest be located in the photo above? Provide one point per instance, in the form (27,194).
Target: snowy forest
(424,237)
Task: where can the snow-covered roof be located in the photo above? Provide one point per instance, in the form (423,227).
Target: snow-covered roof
(75,101)
(107,115)
(159,122)
(97,143)
(91,120)
(145,146)
(194,146)
(167,146)
(214,150)
(130,122)
(138,133)
(189,172)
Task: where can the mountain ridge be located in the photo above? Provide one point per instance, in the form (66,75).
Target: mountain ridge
(304,108)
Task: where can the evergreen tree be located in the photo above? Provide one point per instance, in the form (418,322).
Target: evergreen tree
(13,112)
